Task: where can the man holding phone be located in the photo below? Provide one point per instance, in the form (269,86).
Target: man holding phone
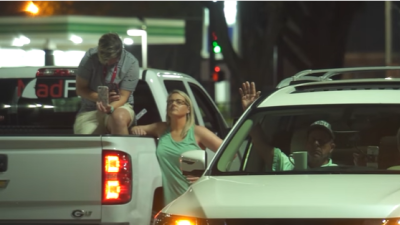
(110,68)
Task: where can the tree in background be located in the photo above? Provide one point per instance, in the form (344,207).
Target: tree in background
(308,34)
(316,33)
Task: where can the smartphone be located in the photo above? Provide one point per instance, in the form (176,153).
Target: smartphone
(103,94)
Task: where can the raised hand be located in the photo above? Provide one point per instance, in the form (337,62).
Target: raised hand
(248,94)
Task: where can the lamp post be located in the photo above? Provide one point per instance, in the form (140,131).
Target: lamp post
(143,35)
(388,33)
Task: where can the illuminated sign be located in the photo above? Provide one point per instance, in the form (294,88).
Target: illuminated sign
(46,88)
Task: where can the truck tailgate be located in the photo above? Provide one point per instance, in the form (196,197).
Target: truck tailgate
(49,178)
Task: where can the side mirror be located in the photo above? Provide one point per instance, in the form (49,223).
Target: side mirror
(193,162)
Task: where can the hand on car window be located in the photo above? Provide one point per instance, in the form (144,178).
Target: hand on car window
(248,94)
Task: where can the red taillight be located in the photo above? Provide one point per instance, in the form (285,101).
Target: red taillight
(55,72)
(117,177)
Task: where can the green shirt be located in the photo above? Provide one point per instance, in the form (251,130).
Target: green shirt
(281,161)
(168,153)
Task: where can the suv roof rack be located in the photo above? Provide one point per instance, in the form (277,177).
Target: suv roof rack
(304,79)
(304,76)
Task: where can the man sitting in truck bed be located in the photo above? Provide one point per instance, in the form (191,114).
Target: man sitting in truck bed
(106,65)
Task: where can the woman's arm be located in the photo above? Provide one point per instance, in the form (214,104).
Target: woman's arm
(261,145)
(207,138)
(154,129)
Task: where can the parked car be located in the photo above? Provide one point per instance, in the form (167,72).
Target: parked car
(238,188)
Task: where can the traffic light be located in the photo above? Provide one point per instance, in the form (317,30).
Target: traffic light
(218,74)
(215,46)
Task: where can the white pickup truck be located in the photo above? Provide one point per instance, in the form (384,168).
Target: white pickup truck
(48,175)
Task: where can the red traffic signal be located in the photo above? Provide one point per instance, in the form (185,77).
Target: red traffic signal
(215,77)
(218,74)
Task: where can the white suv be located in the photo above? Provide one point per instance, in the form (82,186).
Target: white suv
(239,187)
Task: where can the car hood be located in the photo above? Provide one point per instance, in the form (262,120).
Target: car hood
(291,196)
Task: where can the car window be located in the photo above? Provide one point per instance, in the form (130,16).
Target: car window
(314,140)
(144,102)
(211,117)
(171,85)
(50,105)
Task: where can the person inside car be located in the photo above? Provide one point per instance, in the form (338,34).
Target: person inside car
(320,140)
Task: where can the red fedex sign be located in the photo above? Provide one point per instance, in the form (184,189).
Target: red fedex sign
(46,89)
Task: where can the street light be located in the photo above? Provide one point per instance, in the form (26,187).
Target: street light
(143,34)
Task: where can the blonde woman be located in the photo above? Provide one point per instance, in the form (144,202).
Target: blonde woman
(179,134)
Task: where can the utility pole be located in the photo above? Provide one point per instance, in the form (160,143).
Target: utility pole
(211,34)
(388,33)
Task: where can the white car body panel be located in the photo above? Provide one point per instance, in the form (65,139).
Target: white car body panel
(146,176)
(259,196)
(34,177)
(286,97)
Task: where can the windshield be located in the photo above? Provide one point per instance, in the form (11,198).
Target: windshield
(314,140)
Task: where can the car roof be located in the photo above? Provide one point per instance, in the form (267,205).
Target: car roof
(30,71)
(307,76)
(351,91)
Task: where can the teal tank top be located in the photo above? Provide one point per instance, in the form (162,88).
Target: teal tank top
(168,153)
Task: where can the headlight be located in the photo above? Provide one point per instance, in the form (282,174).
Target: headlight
(393,221)
(168,219)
